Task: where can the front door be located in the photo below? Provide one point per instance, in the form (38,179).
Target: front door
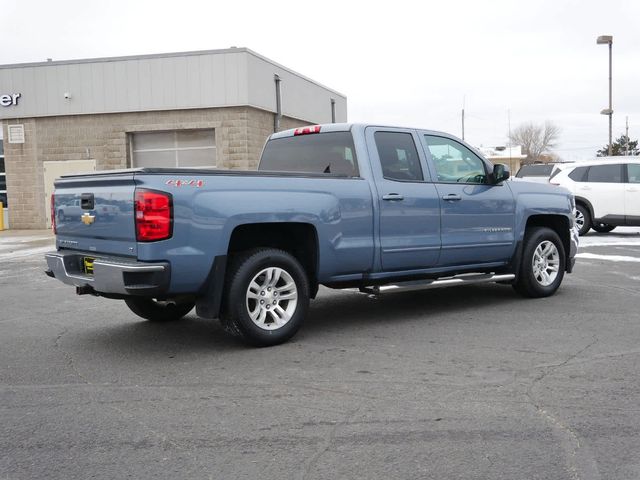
(409,210)
(632,194)
(478,218)
(604,187)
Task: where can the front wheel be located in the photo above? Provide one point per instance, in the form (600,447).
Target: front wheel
(267,297)
(157,310)
(602,227)
(543,264)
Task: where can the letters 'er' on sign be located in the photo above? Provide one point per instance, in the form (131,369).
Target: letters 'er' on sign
(9,100)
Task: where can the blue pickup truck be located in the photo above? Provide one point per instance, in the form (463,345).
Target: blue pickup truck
(342,205)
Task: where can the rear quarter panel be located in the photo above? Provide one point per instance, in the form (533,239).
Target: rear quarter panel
(340,209)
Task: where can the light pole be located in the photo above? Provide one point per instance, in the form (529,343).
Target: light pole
(608,40)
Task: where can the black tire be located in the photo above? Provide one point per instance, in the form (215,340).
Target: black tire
(529,283)
(235,315)
(158,311)
(586,215)
(602,227)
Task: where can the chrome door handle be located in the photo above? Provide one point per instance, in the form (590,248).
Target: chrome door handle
(452,197)
(585,188)
(393,197)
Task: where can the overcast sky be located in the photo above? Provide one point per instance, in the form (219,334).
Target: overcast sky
(398,62)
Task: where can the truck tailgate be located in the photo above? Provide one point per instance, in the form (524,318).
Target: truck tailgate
(96,213)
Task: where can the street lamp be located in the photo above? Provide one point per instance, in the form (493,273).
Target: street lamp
(608,40)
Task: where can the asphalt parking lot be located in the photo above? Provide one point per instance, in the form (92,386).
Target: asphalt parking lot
(469,382)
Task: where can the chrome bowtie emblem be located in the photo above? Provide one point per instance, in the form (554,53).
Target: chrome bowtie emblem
(87,218)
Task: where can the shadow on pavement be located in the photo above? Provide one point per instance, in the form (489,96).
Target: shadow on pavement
(346,311)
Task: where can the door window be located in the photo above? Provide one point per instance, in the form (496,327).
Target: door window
(605,174)
(633,172)
(454,162)
(578,174)
(398,156)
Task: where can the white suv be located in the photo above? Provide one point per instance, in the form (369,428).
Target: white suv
(607,192)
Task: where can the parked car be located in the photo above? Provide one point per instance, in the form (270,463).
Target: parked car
(607,192)
(342,205)
(74,209)
(537,172)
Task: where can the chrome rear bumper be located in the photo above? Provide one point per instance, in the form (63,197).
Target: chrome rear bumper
(111,275)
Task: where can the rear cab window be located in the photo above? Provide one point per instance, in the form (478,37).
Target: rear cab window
(534,171)
(330,153)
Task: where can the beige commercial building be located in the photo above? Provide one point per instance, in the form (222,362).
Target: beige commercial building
(201,109)
(510,155)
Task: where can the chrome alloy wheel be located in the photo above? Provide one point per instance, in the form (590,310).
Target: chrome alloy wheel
(271,298)
(579,220)
(546,263)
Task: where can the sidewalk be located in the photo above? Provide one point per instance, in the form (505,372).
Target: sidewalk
(25,243)
(26,233)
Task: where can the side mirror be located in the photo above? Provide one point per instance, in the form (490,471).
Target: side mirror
(500,173)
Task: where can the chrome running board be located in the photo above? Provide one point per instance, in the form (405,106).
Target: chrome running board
(464,279)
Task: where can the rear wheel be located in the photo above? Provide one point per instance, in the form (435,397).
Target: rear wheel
(602,227)
(267,297)
(583,219)
(158,310)
(543,263)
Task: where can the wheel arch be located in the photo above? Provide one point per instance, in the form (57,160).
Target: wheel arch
(586,203)
(559,224)
(300,239)
(297,238)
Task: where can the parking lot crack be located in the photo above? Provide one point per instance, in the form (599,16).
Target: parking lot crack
(326,443)
(580,462)
(68,357)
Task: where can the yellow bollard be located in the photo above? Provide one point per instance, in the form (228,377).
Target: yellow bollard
(1,216)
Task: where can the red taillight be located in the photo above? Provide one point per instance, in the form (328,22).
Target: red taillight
(154,215)
(307,130)
(53,213)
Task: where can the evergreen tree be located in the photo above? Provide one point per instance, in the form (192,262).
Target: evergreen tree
(620,147)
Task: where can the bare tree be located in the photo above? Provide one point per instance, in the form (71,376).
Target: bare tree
(536,140)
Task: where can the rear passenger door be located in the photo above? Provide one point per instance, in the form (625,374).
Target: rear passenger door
(478,217)
(408,206)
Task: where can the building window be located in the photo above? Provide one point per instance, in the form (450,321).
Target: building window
(3,177)
(180,148)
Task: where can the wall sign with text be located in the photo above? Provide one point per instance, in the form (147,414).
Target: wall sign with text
(9,99)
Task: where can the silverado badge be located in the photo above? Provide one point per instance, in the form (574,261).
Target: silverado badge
(87,218)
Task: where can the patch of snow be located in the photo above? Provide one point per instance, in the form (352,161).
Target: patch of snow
(611,258)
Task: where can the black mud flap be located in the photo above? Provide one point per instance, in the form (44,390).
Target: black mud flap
(210,298)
